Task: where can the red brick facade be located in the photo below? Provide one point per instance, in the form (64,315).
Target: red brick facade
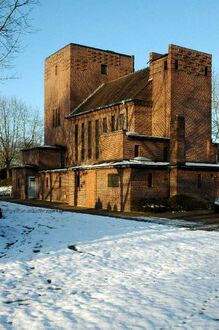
(114,136)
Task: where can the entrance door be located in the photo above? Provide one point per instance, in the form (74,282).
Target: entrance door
(32,187)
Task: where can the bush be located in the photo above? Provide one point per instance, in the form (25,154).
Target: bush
(174,203)
(186,202)
(6,182)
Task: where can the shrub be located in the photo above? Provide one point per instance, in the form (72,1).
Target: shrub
(6,182)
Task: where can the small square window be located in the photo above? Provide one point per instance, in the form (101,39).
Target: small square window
(104,69)
(113,180)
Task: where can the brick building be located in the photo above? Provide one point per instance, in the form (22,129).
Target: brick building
(114,136)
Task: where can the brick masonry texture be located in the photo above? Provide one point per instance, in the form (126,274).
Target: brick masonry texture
(167,108)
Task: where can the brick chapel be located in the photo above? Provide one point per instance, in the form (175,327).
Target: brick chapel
(115,136)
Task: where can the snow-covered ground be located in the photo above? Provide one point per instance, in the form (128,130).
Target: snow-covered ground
(5,190)
(62,270)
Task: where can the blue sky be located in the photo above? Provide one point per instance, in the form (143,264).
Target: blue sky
(134,27)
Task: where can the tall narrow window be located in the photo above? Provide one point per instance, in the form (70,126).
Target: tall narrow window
(47,182)
(136,150)
(165,65)
(97,138)
(165,154)
(104,69)
(150,180)
(176,65)
(206,71)
(56,117)
(104,125)
(18,183)
(76,143)
(82,141)
(53,118)
(121,121)
(56,69)
(199,181)
(60,182)
(89,142)
(113,126)
(77,180)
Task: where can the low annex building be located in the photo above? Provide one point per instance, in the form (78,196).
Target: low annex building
(115,136)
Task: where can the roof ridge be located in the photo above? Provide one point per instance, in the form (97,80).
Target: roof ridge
(126,75)
(85,100)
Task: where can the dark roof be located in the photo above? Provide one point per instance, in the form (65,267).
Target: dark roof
(114,92)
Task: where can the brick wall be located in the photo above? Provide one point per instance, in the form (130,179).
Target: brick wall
(191,97)
(71,74)
(152,149)
(43,158)
(186,181)
(140,186)
(20,181)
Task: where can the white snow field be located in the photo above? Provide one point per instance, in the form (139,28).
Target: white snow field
(5,190)
(63,270)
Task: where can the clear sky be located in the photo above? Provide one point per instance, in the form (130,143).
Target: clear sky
(133,27)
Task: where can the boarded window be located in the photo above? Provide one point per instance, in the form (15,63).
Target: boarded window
(89,137)
(113,180)
(121,121)
(104,125)
(82,141)
(150,180)
(97,138)
(76,143)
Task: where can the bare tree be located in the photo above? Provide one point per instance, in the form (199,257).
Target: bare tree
(14,22)
(215,107)
(20,127)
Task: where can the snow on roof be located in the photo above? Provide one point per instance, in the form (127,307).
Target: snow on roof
(190,164)
(134,162)
(141,136)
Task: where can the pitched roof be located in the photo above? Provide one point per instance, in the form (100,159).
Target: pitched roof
(125,88)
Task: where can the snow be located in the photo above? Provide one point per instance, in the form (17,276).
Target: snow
(63,270)
(5,190)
